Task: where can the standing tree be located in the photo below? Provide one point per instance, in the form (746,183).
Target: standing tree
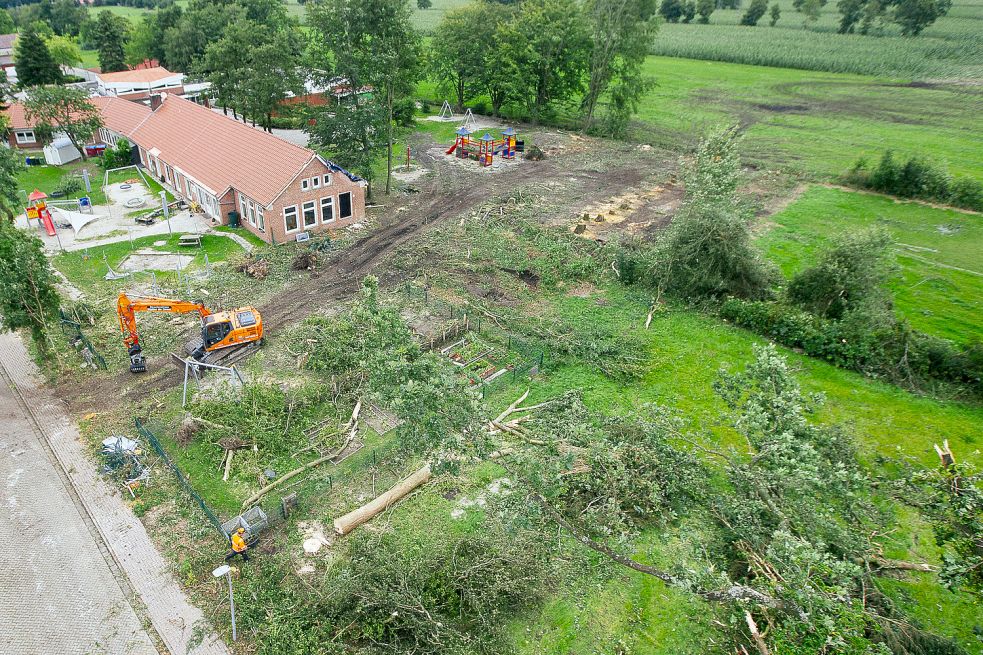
(689,11)
(63,109)
(704,8)
(913,16)
(776,13)
(351,134)
(810,10)
(27,286)
(460,62)
(10,165)
(424,4)
(551,45)
(67,16)
(372,44)
(64,51)
(754,12)
(272,72)
(147,39)
(622,31)
(225,61)
(6,23)
(111,34)
(35,66)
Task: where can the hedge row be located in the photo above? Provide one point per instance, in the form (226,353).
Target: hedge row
(872,342)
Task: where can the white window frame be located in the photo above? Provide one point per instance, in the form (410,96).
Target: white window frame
(286,228)
(22,136)
(242,206)
(327,201)
(351,205)
(260,220)
(312,205)
(252,212)
(305,184)
(316,182)
(327,179)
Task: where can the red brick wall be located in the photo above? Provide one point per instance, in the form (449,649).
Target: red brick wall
(296,196)
(33,145)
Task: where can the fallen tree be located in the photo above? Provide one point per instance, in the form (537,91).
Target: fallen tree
(345,524)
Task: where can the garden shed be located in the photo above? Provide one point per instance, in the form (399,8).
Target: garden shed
(60,151)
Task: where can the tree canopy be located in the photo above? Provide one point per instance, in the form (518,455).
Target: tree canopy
(65,110)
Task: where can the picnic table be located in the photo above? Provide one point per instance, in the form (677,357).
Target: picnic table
(190,240)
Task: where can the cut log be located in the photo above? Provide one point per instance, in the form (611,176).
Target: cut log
(759,641)
(262,492)
(345,524)
(228,464)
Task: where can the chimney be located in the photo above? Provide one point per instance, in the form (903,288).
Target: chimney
(156,100)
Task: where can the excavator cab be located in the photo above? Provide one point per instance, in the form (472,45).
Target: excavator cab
(226,329)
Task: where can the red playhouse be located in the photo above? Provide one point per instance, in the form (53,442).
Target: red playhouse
(485,149)
(39,209)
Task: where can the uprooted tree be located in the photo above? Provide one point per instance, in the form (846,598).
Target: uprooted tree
(787,522)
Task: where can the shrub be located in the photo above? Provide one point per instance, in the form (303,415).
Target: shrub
(851,271)
(689,11)
(917,177)
(868,339)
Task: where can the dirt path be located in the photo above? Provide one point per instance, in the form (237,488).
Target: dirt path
(448,194)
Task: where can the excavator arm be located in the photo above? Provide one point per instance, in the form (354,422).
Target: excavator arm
(127,308)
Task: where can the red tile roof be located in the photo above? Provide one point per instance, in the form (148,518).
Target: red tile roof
(121,115)
(145,75)
(220,152)
(17,116)
(7,41)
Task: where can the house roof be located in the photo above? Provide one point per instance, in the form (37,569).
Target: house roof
(18,117)
(7,41)
(121,115)
(144,75)
(220,152)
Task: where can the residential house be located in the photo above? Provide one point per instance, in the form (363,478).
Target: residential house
(140,82)
(21,132)
(280,189)
(7,56)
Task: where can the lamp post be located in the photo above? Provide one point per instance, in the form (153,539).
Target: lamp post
(163,204)
(226,570)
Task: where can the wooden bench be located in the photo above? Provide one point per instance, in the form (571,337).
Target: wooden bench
(190,240)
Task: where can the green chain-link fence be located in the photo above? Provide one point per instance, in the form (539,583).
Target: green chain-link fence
(156,445)
(73,330)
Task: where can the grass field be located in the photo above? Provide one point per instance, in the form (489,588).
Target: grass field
(48,178)
(811,122)
(949,49)
(932,245)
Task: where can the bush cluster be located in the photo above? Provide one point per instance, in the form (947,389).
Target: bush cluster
(917,177)
(865,339)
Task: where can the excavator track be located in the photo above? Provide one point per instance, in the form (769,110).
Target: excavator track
(223,357)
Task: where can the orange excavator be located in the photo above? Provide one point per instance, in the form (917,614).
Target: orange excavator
(223,334)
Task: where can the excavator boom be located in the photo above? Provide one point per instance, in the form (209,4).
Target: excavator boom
(223,330)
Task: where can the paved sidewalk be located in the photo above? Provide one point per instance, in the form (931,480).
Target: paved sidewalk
(179,624)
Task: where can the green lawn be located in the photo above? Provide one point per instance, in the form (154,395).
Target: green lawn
(950,48)
(48,178)
(87,268)
(941,301)
(810,122)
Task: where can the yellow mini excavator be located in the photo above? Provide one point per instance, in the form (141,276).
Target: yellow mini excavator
(223,334)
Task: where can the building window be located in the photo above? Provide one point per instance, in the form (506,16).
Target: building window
(310,214)
(252,213)
(290,218)
(242,206)
(187,187)
(345,204)
(315,182)
(24,136)
(327,180)
(305,184)
(327,209)
(260,222)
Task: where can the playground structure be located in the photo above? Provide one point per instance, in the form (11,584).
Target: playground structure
(38,209)
(484,149)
